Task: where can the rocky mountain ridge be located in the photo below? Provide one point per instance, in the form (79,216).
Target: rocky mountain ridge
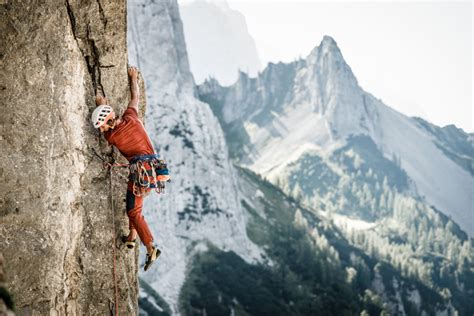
(315,104)
(398,188)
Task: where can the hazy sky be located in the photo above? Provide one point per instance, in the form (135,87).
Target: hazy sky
(416,57)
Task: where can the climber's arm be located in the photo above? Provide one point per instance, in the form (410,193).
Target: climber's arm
(134,91)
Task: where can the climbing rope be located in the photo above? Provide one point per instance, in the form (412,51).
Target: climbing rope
(112,207)
(114,243)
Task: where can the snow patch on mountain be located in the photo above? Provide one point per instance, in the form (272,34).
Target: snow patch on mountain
(347,223)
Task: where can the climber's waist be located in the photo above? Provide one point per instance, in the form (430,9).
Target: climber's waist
(148,172)
(144,158)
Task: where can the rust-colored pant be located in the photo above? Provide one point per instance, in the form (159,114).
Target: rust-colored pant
(136,220)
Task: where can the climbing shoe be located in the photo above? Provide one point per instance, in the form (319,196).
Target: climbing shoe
(150,258)
(128,243)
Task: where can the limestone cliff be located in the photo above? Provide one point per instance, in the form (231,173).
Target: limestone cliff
(56,220)
(202,204)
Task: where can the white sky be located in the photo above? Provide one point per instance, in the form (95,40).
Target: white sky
(416,57)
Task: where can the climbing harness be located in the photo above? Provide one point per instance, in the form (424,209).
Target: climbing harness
(148,172)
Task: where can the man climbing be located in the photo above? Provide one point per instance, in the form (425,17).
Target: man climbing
(146,169)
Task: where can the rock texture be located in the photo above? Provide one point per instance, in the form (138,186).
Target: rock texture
(6,301)
(56,219)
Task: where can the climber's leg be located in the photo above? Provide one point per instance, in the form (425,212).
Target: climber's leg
(137,221)
(133,232)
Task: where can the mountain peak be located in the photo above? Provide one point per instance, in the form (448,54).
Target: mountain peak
(327,46)
(328,40)
(327,60)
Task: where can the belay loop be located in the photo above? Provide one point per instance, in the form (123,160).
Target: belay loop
(148,172)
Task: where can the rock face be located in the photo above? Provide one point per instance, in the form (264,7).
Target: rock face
(56,220)
(6,301)
(202,205)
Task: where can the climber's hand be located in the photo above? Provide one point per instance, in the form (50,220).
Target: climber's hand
(134,90)
(99,99)
(133,73)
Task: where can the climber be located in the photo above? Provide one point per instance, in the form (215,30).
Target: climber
(129,136)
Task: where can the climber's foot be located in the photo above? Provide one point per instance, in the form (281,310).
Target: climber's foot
(151,257)
(128,242)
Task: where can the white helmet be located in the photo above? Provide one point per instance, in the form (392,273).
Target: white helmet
(101,115)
